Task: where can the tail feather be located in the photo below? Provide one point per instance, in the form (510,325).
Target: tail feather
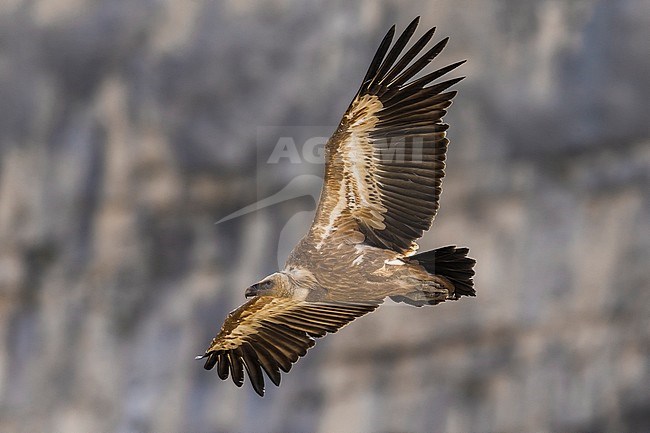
(453,264)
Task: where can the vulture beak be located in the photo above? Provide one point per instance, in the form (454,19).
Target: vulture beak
(251,291)
(259,289)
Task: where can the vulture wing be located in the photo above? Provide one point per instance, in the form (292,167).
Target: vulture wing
(385,162)
(270,334)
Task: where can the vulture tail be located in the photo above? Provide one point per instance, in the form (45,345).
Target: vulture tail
(453,264)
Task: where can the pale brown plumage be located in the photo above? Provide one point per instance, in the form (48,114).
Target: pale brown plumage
(383,173)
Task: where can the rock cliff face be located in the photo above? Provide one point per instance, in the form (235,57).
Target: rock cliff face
(128,128)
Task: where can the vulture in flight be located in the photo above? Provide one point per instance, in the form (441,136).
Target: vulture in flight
(383,173)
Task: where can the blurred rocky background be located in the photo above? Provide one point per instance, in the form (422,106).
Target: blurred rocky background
(128,127)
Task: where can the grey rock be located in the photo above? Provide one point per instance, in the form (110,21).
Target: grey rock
(128,128)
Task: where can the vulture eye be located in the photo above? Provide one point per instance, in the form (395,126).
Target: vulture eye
(265,285)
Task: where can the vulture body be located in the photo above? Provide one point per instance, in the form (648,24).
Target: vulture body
(383,173)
